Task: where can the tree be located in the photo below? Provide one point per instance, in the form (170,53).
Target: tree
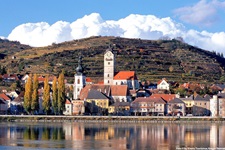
(27,95)
(34,101)
(46,96)
(61,93)
(54,96)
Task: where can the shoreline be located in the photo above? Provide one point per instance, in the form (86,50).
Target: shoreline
(158,119)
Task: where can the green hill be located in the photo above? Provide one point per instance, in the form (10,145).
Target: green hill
(152,60)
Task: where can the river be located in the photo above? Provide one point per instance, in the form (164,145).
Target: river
(107,136)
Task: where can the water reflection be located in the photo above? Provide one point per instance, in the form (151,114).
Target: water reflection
(112,135)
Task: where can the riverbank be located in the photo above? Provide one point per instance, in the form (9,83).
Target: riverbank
(48,118)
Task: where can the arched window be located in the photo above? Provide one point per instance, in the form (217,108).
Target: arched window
(108,75)
(108,81)
(78,81)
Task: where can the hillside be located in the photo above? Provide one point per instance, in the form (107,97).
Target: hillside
(152,60)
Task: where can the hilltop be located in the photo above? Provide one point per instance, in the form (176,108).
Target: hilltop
(151,59)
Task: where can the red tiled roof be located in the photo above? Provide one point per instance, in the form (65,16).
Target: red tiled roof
(88,79)
(166,97)
(4,96)
(119,90)
(125,75)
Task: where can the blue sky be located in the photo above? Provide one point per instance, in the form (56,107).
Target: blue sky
(202,19)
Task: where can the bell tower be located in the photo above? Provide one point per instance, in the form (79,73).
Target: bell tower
(109,66)
(79,80)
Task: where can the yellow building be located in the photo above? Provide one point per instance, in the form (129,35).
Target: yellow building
(122,108)
(97,102)
(189,103)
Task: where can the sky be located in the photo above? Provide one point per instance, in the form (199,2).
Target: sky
(200,23)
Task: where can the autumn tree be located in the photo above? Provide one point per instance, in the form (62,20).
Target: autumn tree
(27,95)
(61,93)
(54,96)
(46,96)
(34,100)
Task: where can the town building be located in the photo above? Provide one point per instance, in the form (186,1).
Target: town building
(97,103)
(217,104)
(163,85)
(176,107)
(201,105)
(148,106)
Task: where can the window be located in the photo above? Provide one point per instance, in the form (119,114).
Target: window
(108,81)
(78,90)
(108,63)
(78,81)
(108,75)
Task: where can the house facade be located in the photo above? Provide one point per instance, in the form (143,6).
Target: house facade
(176,107)
(148,106)
(217,104)
(119,108)
(78,107)
(201,106)
(163,85)
(97,103)
(68,108)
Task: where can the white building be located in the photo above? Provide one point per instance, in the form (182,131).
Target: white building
(217,105)
(128,78)
(163,85)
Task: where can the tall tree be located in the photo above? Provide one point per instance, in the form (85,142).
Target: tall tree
(46,96)
(27,95)
(61,93)
(34,102)
(54,96)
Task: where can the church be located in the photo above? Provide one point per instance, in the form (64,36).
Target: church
(116,85)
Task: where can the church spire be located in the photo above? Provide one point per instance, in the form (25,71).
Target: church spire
(79,69)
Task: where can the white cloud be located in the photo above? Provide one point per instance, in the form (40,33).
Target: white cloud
(2,37)
(203,13)
(132,26)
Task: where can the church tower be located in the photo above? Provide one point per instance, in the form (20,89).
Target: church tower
(109,66)
(79,80)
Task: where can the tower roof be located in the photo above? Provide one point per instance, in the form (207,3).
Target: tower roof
(109,49)
(79,69)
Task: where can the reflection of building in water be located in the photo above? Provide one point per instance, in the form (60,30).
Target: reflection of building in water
(217,135)
(68,130)
(197,135)
(78,131)
(213,136)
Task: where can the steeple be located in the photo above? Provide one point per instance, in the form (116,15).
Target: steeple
(79,69)
(79,79)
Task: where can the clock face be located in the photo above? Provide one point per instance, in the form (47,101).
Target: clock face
(108,54)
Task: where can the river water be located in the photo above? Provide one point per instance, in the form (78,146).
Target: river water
(107,136)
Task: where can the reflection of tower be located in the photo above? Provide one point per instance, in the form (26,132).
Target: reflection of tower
(79,80)
(109,66)
(213,136)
